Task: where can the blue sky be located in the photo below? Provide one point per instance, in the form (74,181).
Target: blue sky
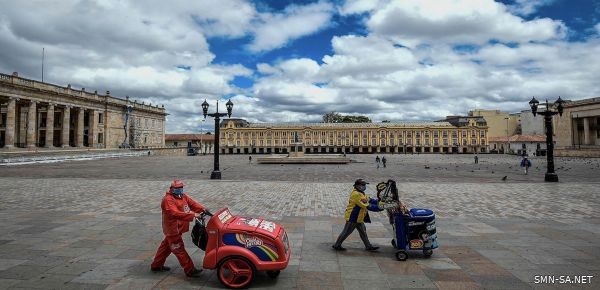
(285,61)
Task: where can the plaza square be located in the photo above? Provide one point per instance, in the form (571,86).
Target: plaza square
(96,224)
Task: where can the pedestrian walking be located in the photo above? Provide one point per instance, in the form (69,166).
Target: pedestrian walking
(383,161)
(476,159)
(377,160)
(356,216)
(249,159)
(525,163)
(178,210)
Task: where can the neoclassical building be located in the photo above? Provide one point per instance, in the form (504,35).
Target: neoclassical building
(36,114)
(466,135)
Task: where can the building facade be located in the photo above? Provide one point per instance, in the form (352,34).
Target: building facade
(35,114)
(205,143)
(500,124)
(579,126)
(237,136)
(519,144)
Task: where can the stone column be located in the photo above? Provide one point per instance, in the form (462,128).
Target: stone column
(50,126)
(66,126)
(80,123)
(92,132)
(32,125)
(586,131)
(9,141)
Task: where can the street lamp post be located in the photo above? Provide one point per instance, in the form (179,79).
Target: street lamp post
(507,141)
(216,174)
(548,113)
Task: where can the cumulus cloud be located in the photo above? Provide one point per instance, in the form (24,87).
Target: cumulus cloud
(458,21)
(274,30)
(528,7)
(419,60)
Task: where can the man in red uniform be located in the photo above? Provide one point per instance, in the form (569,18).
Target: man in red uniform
(178,210)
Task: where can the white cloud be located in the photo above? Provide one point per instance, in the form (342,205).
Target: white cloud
(405,68)
(528,7)
(360,6)
(597,27)
(458,21)
(274,30)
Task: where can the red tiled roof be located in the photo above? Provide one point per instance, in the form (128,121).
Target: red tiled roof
(519,138)
(189,137)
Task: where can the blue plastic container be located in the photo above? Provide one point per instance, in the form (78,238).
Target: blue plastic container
(415,232)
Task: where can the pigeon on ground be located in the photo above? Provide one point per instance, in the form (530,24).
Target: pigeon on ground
(504,178)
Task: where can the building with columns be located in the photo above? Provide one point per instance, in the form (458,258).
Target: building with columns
(237,136)
(35,114)
(579,126)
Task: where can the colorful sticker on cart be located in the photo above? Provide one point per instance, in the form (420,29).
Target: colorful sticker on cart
(414,244)
(252,222)
(264,250)
(224,216)
(267,226)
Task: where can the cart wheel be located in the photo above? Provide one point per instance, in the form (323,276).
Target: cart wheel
(393,243)
(427,253)
(401,255)
(273,274)
(235,272)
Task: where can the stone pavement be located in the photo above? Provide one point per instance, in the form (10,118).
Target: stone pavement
(96,225)
(402,168)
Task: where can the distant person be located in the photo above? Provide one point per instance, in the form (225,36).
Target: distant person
(249,159)
(476,159)
(377,160)
(525,163)
(383,161)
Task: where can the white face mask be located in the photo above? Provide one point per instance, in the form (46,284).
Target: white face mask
(361,188)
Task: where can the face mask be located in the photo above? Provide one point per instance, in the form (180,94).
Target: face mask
(361,188)
(178,192)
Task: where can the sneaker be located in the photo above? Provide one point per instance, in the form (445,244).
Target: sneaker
(338,248)
(161,269)
(372,249)
(194,273)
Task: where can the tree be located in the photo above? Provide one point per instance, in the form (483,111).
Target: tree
(333,117)
(385,121)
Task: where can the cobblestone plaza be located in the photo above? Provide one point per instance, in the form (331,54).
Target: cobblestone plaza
(96,224)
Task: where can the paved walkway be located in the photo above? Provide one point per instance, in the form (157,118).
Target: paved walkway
(97,233)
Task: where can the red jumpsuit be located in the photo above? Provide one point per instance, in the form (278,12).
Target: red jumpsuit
(177,213)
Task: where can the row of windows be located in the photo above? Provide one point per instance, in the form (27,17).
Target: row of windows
(146,123)
(359,133)
(382,142)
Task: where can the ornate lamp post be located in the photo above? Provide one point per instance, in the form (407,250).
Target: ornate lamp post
(548,113)
(216,174)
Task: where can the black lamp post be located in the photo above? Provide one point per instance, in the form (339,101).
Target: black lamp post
(548,113)
(216,174)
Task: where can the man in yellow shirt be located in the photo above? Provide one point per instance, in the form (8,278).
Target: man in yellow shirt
(356,215)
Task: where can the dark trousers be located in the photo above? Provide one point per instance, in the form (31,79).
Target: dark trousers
(349,228)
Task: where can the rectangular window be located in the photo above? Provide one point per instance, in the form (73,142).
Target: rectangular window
(100,138)
(2,120)
(100,118)
(482,141)
(436,142)
(391,142)
(445,142)
(373,142)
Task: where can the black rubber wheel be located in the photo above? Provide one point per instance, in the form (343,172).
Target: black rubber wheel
(427,253)
(401,255)
(236,272)
(273,274)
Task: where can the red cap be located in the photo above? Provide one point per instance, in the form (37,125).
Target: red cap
(177,183)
